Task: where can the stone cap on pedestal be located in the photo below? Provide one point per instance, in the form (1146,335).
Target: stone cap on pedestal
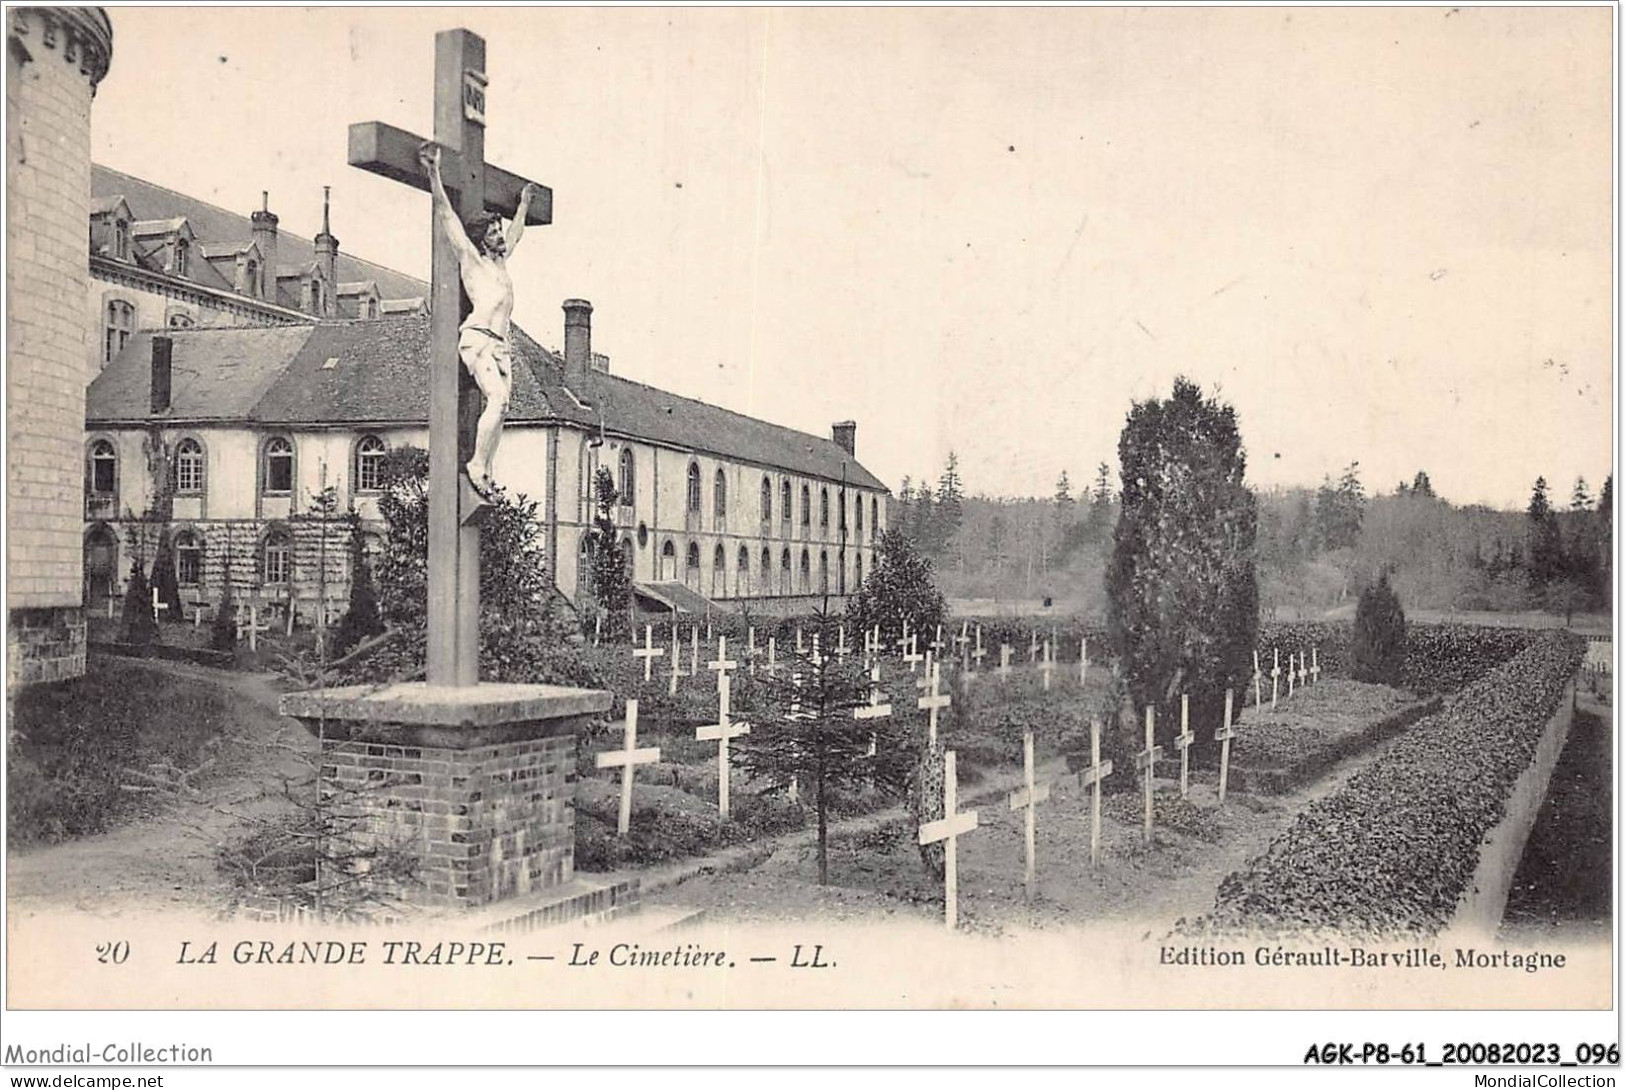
(446,715)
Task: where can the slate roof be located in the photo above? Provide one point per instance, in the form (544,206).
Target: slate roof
(217,226)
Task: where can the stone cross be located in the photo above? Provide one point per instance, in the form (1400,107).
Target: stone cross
(913,656)
(953,824)
(1048,665)
(723,663)
(1183,741)
(1258,682)
(1028,799)
(1098,770)
(253,627)
(1275,679)
(454,401)
(648,653)
(1314,670)
(1145,762)
(1223,737)
(933,700)
(1004,660)
(720,732)
(626,759)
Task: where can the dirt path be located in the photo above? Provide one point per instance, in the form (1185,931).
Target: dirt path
(167,860)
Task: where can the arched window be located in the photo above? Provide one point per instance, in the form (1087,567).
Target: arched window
(840,512)
(823,511)
(179,319)
(276,560)
(694,487)
(668,563)
(278,468)
(719,572)
(627,486)
(369,464)
(806,509)
(857,515)
(784,505)
(767,503)
(806,572)
(823,572)
(719,501)
(189,466)
(857,570)
(764,578)
(874,518)
(103,468)
(118,324)
(784,571)
(742,573)
(691,571)
(188,558)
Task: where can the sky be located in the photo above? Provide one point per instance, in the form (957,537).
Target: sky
(1383,235)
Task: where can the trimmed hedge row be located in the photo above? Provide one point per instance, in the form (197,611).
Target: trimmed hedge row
(1439,658)
(1392,852)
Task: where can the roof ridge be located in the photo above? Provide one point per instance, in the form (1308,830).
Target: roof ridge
(253,412)
(718,408)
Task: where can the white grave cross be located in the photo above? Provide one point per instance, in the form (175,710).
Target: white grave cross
(950,827)
(1048,665)
(648,653)
(1275,679)
(1004,660)
(723,663)
(1258,682)
(1314,670)
(626,759)
(1183,741)
(1145,762)
(720,732)
(934,700)
(1098,770)
(1223,737)
(1028,799)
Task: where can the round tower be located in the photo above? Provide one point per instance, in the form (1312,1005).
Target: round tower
(55,57)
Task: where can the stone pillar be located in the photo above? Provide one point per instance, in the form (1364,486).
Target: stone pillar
(477,782)
(55,57)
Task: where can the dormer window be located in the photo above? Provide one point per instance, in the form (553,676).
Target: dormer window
(121,239)
(181,257)
(315,296)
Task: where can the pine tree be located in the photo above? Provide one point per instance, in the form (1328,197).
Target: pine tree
(611,585)
(1580,498)
(139,625)
(1183,594)
(901,587)
(1422,486)
(1379,635)
(1545,538)
(361,620)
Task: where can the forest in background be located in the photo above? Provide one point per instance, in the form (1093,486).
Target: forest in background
(1317,547)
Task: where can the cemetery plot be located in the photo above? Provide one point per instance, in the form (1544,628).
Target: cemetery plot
(1276,751)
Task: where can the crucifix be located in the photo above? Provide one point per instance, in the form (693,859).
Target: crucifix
(723,663)
(720,732)
(1183,741)
(1275,679)
(1028,799)
(1226,733)
(473,188)
(1145,762)
(1314,670)
(626,759)
(1098,771)
(648,653)
(950,827)
(933,700)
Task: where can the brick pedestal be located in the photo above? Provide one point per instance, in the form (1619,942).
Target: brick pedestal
(477,783)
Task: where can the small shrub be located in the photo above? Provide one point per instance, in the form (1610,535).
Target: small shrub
(1379,635)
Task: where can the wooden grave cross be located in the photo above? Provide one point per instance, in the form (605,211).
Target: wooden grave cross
(1145,762)
(694,650)
(1258,682)
(1314,670)
(198,609)
(723,663)
(648,652)
(1225,733)
(1303,668)
(1291,674)
(158,608)
(936,644)
(1048,665)
(801,648)
(924,682)
(903,641)
(772,656)
(473,186)
(676,662)
(1032,649)
(1083,662)
(933,700)
(1275,679)
(1028,799)
(750,649)
(871,646)
(628,757)
(980,652)
(1097,771)
(1183,741)
(253,627)
(874,709)
(963,640)
(721,732)
(953,824)
(913,657)
(841,650)
(1004,660)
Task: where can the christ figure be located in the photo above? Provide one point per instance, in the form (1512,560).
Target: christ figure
(482,250)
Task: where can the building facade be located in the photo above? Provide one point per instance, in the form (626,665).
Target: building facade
(55,57)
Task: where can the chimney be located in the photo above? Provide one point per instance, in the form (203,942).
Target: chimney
(845,434)
(162,354)
(327,254)
(577,345)
(265,238)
